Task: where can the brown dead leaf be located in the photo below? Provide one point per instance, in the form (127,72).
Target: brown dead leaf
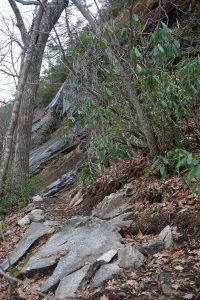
(104,297)
(179,268)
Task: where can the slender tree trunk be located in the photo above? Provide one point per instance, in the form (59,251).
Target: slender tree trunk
(133,99)
(7,151)
(22,147)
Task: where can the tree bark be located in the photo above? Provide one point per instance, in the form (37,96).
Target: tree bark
(22,114)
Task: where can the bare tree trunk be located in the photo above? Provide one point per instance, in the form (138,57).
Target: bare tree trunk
(49,19)
(146,127)
(47,16)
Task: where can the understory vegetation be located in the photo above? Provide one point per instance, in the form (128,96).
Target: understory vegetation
(134,87)
(163,68)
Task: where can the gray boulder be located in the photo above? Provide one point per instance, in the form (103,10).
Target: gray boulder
(130,257)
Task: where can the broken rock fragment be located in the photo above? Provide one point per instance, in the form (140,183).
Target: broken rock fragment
(70,284)
(130,257)
(24,221)
(166,236)
(152,248)
(37,198)
(105,273)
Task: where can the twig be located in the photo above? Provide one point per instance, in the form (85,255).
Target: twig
(8,258)
(26,285)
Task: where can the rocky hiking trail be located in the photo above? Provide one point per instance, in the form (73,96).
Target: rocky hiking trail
(126,236)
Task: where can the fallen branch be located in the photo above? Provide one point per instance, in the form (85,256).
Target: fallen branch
(21,282)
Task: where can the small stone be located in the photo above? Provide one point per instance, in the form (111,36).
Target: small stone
(8,233)
(152,247)
(105,273)
(130,257)
(37,211)
(37,198)
(166,236)
(24,221)
(108,256)
(30,207)
(36,218)
(130,192)
(77,199)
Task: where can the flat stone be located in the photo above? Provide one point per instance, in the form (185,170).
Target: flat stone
(152,248)
(105,273)
(37,198)
(166,236)
(77,199)
(70,284)
(37,212)
(24,221)
(33,233)
(83,240)
(108,256)
(41,154)
(111,206)
(52,223)
(30,207)
(130,257)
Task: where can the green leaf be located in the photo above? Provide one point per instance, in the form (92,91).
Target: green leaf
(139,69)
(197,172)
(162,171)
(124,33)
(103,45)
(161,48)
(177,44)
(138,53)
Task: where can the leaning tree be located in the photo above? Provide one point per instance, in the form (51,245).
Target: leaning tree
(46,15)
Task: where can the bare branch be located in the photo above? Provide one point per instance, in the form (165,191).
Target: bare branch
(29,2)
(8,73)
(20,22)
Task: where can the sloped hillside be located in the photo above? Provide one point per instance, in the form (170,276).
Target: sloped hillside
(108,220)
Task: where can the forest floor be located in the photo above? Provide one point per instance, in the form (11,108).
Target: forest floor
(169,274)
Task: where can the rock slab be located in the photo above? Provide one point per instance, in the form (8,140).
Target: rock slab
(105,273)
(108,256)
(70,284)
(33,233)
(83,240)
(112,206)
